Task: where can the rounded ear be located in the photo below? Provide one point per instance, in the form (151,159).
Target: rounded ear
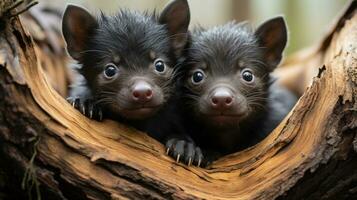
(176,17)
(272,36)
(77,27)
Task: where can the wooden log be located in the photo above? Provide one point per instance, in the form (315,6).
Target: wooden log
(310,155)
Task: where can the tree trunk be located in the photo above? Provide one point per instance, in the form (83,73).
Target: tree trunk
(59,154)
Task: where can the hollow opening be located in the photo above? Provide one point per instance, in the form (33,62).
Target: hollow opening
(247,155)
(54,69)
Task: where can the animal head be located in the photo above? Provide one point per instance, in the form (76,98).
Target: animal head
(227,70)
(128,59)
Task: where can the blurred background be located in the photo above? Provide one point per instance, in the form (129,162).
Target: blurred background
(307,19)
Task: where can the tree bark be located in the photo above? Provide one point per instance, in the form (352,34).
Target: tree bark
(59,154)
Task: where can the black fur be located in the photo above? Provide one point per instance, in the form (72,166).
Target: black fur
(131,41)
(223,53)
(132,36)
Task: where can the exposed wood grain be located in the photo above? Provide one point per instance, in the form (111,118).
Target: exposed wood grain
(310,154)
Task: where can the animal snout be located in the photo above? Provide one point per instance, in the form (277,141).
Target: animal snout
(222,98)
(142,92)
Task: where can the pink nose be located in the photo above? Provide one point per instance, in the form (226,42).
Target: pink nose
(142,92)
(222,98)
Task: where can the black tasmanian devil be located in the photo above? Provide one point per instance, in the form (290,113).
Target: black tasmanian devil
(128,61)
(228,99)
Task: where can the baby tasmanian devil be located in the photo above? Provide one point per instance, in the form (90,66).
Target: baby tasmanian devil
(127,61)
(228,101)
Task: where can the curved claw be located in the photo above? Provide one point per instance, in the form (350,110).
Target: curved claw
(168,151)
(189,161)
(84,110)
(91,114)
(178,158)
(199,163)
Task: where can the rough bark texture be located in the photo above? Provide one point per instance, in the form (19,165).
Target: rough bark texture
(60,154)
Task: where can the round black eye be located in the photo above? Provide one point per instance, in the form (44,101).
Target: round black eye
(247,76)
(110,70)
(159,66)
(198,77)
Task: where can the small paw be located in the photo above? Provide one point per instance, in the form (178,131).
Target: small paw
(185,152)
(87,108)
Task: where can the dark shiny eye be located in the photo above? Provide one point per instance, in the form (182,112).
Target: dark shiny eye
(198,77)
(247,76)
(110,70)
(160,66)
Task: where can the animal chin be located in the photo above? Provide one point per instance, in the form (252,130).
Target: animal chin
(223,119)
(139,113)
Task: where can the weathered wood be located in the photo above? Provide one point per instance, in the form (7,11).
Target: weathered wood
(311,154)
